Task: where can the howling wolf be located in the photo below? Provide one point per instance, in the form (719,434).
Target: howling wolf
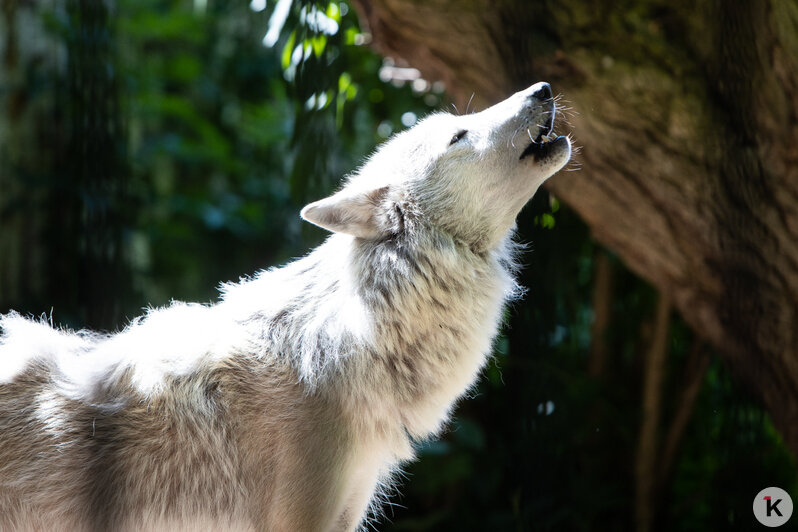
(287,405)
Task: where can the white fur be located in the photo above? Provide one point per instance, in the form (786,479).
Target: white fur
(290,403)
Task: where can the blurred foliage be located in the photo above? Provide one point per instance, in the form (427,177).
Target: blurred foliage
(229,137)
(230,115)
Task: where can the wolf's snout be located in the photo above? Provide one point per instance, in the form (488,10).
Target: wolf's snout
(543,93)
(540,109)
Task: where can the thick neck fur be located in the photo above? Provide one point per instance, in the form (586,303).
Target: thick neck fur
(407,324)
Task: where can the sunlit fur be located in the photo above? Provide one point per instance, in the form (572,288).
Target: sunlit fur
(289,404)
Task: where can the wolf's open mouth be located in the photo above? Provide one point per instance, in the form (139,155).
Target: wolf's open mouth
(542,146)
(543,143)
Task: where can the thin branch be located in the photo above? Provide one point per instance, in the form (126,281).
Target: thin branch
(646,470)
(694,373)
(602,311)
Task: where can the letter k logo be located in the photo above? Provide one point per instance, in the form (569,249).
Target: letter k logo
(772,506)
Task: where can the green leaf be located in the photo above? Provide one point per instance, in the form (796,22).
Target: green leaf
(288,50)
(334,12)
(319,42)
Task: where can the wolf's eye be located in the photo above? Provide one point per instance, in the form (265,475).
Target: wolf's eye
(459,135)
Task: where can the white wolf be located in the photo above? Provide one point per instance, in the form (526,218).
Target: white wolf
(287,405)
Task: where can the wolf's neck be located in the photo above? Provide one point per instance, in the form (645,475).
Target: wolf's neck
(437,306)
(404,311)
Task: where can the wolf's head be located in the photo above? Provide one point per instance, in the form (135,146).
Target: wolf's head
(467,176)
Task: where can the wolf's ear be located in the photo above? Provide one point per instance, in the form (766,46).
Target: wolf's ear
(353,213)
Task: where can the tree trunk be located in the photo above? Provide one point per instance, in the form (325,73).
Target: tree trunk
(62,181)
(26,124)
(687,114)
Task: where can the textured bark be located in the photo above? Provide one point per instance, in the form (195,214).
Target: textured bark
(688,119)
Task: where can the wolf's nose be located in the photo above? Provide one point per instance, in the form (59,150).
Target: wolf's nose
(543,93)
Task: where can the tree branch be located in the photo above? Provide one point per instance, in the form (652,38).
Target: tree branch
(646,478)
(602,311)
(694,373)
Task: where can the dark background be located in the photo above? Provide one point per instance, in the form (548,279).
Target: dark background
(151,149)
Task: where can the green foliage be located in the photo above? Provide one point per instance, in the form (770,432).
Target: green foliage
(228,137)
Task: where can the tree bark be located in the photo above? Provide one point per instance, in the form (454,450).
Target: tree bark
(687,113)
